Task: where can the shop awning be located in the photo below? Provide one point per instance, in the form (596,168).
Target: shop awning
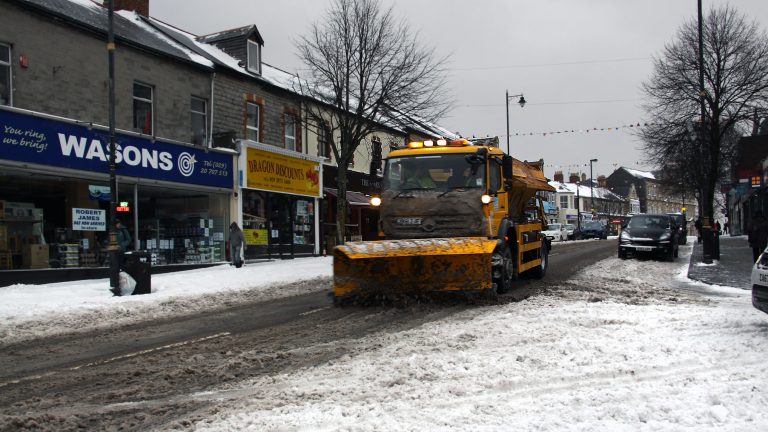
(353,198)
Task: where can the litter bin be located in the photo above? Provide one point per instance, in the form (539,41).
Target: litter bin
(138,264)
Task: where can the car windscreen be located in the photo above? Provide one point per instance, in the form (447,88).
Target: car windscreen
(553,227)
(593,225)
(440,172)
(649,221)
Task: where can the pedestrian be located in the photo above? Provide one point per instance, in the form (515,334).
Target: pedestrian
(123,241)
(758,235)
(726,226)
(236,244)
(717,227)
(698,224)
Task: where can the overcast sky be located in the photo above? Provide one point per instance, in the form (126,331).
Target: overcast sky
(579,63)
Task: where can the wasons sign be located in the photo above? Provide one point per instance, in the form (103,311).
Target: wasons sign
(45,141)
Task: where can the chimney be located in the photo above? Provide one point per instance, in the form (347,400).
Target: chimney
(573,178)
(141,7)
(602,181)
(559,176)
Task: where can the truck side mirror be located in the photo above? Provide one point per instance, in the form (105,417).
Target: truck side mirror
(506,166)
(506,170)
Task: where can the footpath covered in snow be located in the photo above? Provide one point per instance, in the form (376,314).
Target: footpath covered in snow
(624,345)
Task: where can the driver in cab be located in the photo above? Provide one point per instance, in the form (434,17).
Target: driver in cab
(420,179)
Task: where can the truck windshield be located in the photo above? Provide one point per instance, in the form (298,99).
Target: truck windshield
(440,172)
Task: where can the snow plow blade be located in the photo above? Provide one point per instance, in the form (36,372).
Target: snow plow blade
(397,267)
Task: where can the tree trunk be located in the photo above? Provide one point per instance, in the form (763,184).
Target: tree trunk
(341,205)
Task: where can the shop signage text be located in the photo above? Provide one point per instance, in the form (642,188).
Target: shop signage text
(84,219)
(280,173)
(255,237)
(26,138)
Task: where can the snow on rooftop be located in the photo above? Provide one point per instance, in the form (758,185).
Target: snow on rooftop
(640,174)
(585,190)
(138,21)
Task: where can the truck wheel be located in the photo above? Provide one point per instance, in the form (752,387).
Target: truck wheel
(503,270)
(541,270)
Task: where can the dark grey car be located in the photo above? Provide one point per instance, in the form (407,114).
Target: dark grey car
(652,234)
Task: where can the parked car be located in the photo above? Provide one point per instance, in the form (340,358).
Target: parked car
(682,227)
(570,229)
(555,232)
(760,282)
(591,230)
(653,234)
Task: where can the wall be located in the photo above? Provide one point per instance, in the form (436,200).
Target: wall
(229,114)
(68,75)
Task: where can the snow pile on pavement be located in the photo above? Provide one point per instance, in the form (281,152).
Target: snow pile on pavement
(30,311)
(625,345)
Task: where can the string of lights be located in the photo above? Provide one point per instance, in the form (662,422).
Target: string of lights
(591,130)
(585,130)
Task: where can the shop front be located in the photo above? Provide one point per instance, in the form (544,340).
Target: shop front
(362,219)
(55,195)
(279,200)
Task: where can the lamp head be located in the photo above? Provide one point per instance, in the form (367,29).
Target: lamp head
(522,101)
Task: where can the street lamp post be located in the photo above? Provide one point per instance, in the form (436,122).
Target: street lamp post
(591,194)
(522,103)
(114,269)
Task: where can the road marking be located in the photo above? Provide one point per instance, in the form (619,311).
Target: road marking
(120,357)
(313,311)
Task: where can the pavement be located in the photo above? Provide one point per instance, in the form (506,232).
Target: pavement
(734,267)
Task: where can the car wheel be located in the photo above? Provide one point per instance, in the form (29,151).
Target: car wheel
(677,252)
(622,254)
(671,255)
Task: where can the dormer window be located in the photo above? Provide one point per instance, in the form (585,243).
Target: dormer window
(254,57)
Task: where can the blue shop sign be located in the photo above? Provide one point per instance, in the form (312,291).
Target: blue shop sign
(26,138)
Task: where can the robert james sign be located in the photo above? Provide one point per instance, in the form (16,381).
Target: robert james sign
(84,219)
(26,138)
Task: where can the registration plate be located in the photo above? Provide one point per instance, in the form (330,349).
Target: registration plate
(763,277)
(408,221)
(643,248)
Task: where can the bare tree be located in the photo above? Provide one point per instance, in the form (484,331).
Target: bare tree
(692,151)
(366,68)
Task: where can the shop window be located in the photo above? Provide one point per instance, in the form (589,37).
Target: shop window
(143,108)
(254,57)
(253,111)
(5,74)
(289,125)
(199,117)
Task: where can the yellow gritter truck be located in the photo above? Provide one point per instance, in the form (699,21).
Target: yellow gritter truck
(454,217)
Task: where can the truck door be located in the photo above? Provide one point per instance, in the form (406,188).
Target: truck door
(496,190)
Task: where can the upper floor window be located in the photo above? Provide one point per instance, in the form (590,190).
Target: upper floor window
(254,57)
(564,201)
(324,141)
(143,108)
(199,116)
(290,131)
(5,74)
(252,121)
